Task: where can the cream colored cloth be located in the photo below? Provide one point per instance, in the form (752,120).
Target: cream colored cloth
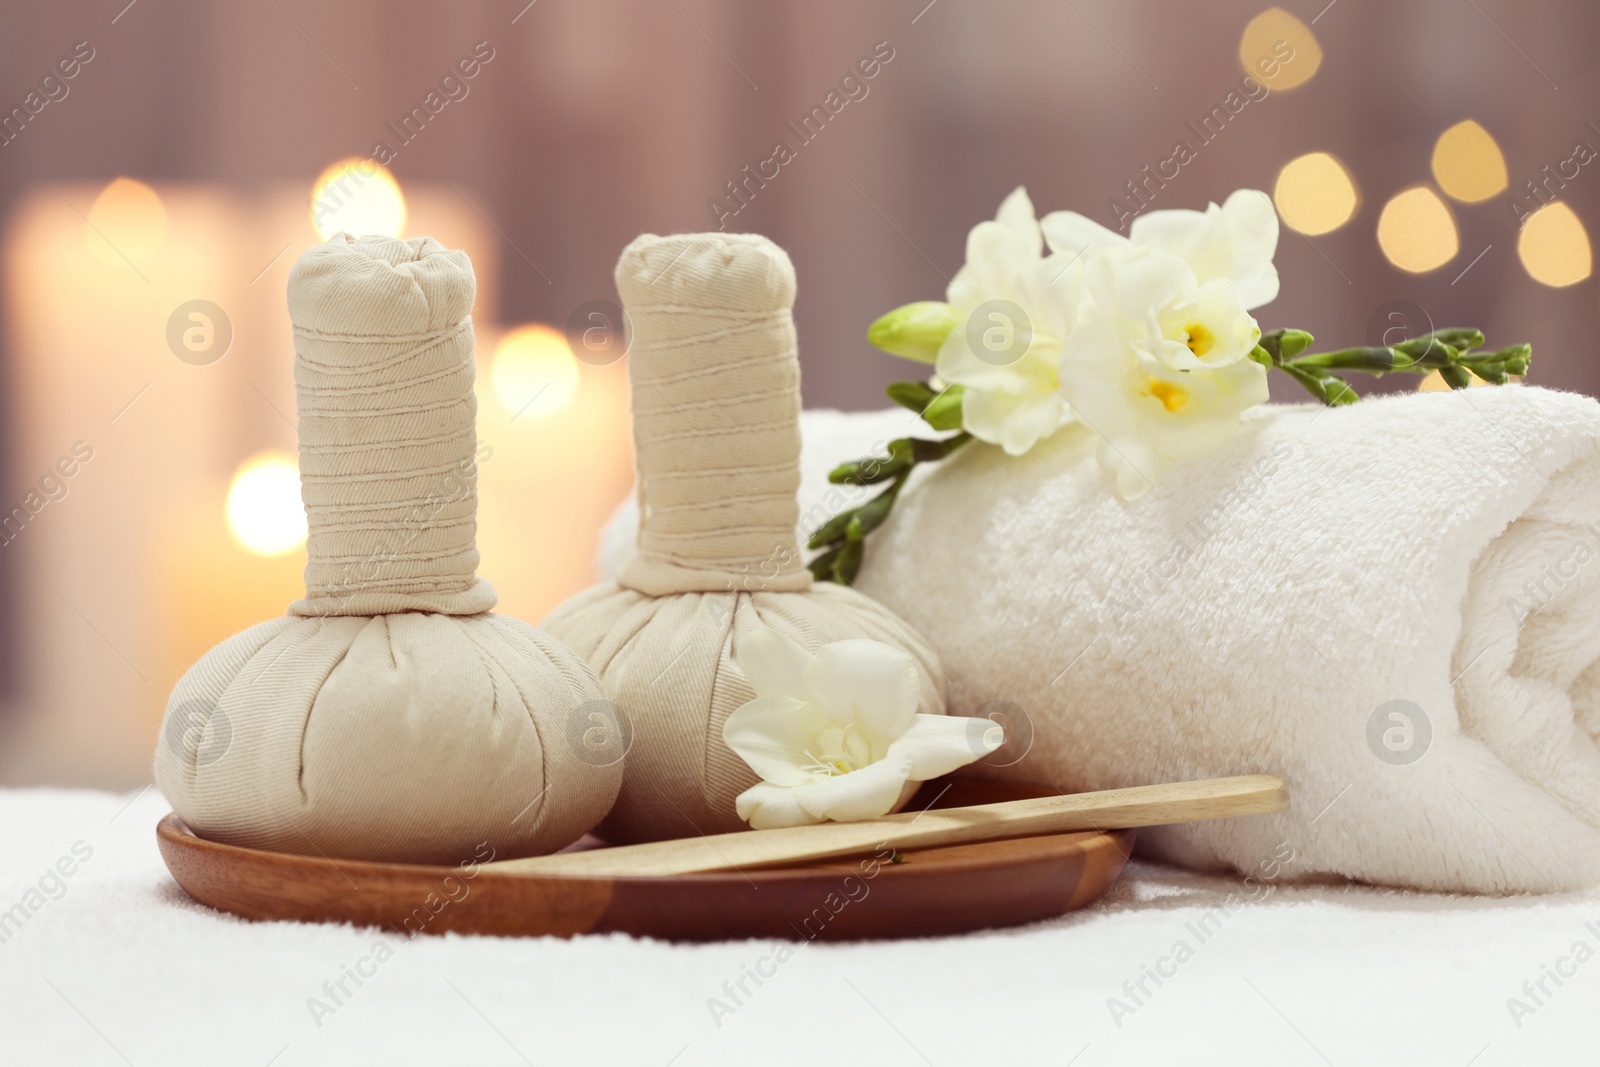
(383,374)
(1395,606)
(716,395)
(390,716)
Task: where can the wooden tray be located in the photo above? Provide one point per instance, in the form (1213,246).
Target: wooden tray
(928,891)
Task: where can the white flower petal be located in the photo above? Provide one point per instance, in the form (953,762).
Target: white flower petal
(1016,215)
(775,736)
(1200,238)
(1246,381)
(1013,308)
(1132,282)
(939,744)
(1253,222)
(1071,234)
(1015,421)
(768,807)
(957,364)
(998,265)
(867,683)
(1206,416)
(869,793)
(1236,241)
(1134,466)
(1159,365)
(1098,349)
(773,664)
(1212,326)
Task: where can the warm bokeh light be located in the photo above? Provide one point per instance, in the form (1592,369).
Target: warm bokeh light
(534,372)
(357,196)
(1417,232)
(1268,39)
(1467,163)
(127,222)
(1314,194)
(265,515)
(1554,247)
(1433,382)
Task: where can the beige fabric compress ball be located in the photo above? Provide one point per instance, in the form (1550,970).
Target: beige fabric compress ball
(716,405)
(390,716)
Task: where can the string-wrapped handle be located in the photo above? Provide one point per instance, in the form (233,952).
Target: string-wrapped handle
(716,413)
(388,472)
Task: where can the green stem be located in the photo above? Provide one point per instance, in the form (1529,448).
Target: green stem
(1448,351)
(844,536)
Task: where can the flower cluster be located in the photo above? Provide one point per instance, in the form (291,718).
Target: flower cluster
(1146,339)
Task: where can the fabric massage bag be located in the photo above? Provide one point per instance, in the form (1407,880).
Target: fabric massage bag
(390,716)
(716,407)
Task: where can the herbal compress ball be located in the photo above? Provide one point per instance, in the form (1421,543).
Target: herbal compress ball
(716,405)
(390,716)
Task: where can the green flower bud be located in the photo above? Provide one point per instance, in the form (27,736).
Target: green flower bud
(914,331)
(848,562)
(1516,359)
(878,468)
(821,568)
(913,396)
(1461,338)
(832,530)
(870,515)
(944,411)
(1284,345)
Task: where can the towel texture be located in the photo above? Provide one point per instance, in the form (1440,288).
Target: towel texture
(121,957)
(716,408)
(1395,605)
(390,716)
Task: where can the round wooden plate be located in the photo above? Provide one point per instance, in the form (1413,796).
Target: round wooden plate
(922,892)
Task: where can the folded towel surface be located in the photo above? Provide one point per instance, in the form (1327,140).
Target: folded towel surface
(1394,605)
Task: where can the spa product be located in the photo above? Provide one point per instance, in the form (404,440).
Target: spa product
(390,716)
(716,403)
(1395,606)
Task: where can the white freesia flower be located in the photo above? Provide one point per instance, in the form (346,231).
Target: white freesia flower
(1013,308)
(1235,242)
(836,734)
(1160,365)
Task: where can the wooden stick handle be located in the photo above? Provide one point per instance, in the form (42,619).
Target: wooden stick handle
(1111,809)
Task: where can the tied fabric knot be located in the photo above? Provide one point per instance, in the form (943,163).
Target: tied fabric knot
(387,429)
(716,405)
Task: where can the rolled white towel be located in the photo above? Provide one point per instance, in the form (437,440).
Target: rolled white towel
(1394,605)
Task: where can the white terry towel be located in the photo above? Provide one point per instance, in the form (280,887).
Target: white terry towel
(1394,605)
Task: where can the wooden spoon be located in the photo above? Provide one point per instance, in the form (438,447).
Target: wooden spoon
(1111,809)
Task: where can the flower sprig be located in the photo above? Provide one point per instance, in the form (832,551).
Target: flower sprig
(843,537)
(1147,339)
(1450,351)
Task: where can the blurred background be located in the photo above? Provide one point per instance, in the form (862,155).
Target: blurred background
(163,163)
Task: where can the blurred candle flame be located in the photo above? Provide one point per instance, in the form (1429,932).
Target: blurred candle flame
(1554,247)
(357,196)
(127,223)
(1417,232)
(534,372)
(1314,194)
(1468,164)
(265,515)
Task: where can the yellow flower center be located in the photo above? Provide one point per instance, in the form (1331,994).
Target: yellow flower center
(1173,397)
(839,750)
(1198,338)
